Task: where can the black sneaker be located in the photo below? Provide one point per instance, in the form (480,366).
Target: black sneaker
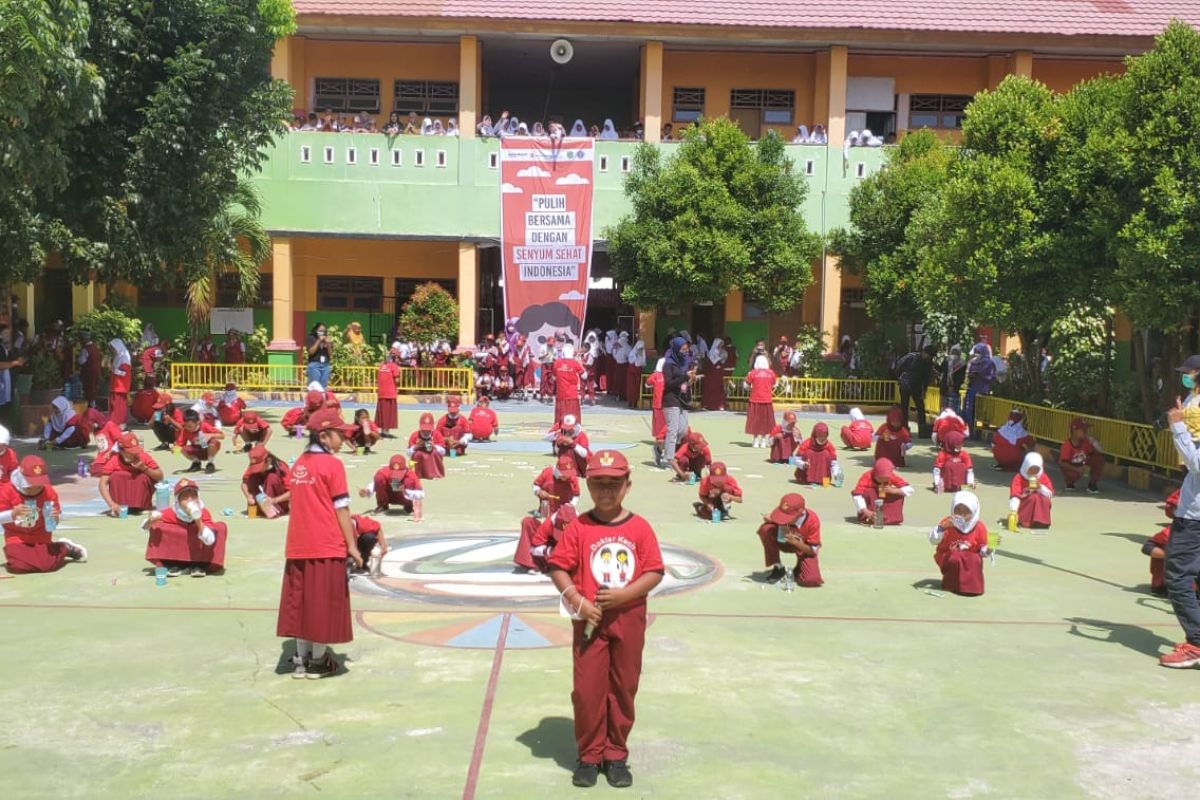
(618,774)
(210,468)
(585,775)
(1093,489)
(195,467)
(321,667)
(776,574)
(247,447)
(366,451)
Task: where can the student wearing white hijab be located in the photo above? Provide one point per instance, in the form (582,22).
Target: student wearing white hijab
(818,136)
(610,131)
(1030,494)
(452,129)
(621,365)
(427,127)
(121,368)
(633,378)
(578,129)
(485,128)
(610,366)
(801,136)
(851,141)
(962,543)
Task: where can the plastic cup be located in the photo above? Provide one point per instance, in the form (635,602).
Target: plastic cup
(252,510)
(993,541)
(692,479)
(825,482)
(160,576)
(123,513)
(453,453)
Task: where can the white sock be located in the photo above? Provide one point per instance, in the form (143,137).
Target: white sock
(318,651)
(304,648)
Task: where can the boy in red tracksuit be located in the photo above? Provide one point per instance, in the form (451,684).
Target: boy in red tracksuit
(453,426)
(482,423)
(27,503)
(881,483)
(605,564)
(952,469)
(199,441)
(718,491)
(426,447)
(396,484)
(784,439)
(251,429)
(1079,452)
(792,528)
(692,456)
(538,539)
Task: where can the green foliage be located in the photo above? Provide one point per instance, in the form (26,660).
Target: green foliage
(877,246)
(47,88)
(45,369)
(234,243)
(946,330)
(107,323)
(810,341)
(718,215)
(875,351)
(187,108)
(256,345)
(431,314)
(1082,361)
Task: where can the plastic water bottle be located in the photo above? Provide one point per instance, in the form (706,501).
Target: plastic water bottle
(691,479)
(716,515)
(160,576)
(162,495)
(839,478)
(51,523)
(298,431)
(878,512)
(81,468)
(781,534)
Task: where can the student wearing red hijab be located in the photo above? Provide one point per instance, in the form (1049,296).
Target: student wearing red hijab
(1081,451)
(426,449)
(314,601)
(29,512)
(881,483)
(893,440)
(953,469)
(816,457)
(784,439)
(859,433)
(792,528)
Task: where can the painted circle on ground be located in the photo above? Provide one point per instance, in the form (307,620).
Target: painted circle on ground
(476,570)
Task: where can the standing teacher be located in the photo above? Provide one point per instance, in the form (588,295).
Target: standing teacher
(677,373)
(1182,565)
(320,355)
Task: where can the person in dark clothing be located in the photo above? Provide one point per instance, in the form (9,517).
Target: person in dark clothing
(953,370)
(677,371)
(913,372)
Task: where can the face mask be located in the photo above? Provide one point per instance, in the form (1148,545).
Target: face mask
(959,522)
(1189,382)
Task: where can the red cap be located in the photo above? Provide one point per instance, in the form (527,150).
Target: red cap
(327,419)
(425,423)
(607,464)
(1079,424)
(251,420)
(162,401)
(454,402)
(128,443)
(717,474)
(185,484)
(398,463)
(33,468)
(231,386)
(884,469)
(314,399)
(565,515)
(566,462)
(791,506)
(789,416)
(258,458)
(695,439)
(208,397)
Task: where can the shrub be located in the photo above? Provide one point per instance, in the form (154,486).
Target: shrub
(430,315)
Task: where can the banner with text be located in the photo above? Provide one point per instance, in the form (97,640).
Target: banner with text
(546,234)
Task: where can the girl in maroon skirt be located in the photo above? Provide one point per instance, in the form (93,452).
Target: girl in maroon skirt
(816,457)
(784,439)
(1030,494)
(893,440)
(712,389)
(128,478)
(962,542)
(184,537)
(29,512)
(427,449)
(952,469)
(268,476)
(881,483)
(386,378)
(119,383)
(760,413)
(314,603)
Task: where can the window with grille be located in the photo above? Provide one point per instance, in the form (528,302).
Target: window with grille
(854,298)
(347,94)
(425,97)
(162,296)
(687,105)
(348,293)
(227,291)
(777,105)
(943,111)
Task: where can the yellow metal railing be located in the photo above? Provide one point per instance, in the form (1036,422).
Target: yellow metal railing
(801,391)
(293,378)
(1123,441)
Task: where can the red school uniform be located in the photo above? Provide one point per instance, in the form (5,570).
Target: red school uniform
(783,442)
(454,430)
(818,458)
(106,446)
(128,486)
(890,443)
(893,505)
(568,377)
(1033,509)
(608,665)
(194,444)
(658,420)
(8,463)
(760,413)
(482,423)
(1158,578)
(959,558)
(857,435)
(231,413)
(565,488)
(954,469)
(690,460)
(807,572)
(392,490)
(142,407)
(386,377)
(172,539)
(314,601)
(1074,459)
(31,549)
(426,455)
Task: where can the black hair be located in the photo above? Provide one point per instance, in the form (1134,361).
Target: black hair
(318,325)
(554,314)
(191,415)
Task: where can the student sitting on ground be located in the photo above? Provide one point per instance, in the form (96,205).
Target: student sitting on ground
(29,512)
(184,537)
(718,492)
(1030,494)
(881,483)
(792,528)
(265,482)
(952,469)
(961,540)
(396,484)
(127,481)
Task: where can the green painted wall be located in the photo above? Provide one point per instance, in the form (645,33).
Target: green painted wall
(744,335)
(460,199)
(171,322)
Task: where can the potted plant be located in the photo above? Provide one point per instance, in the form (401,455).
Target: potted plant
(46,376)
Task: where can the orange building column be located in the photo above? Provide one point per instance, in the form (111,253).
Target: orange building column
(836,128)
(652,91)
(1022,63)
(831,299)
(468,294)
(283,343)
(468,86)
(733,305)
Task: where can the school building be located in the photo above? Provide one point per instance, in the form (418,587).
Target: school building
(359,219)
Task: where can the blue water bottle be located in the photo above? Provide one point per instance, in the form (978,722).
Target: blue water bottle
(162,495)
(81,468)
(716,515)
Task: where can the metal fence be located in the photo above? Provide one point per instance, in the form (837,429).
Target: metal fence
(1131,442)
(293,378)
(802,391)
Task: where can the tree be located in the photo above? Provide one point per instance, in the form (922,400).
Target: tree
(877,245)
(430,315)
(234,243)
(718,215)
(188,108)
(1158,241)
(46,89)
(987,243)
